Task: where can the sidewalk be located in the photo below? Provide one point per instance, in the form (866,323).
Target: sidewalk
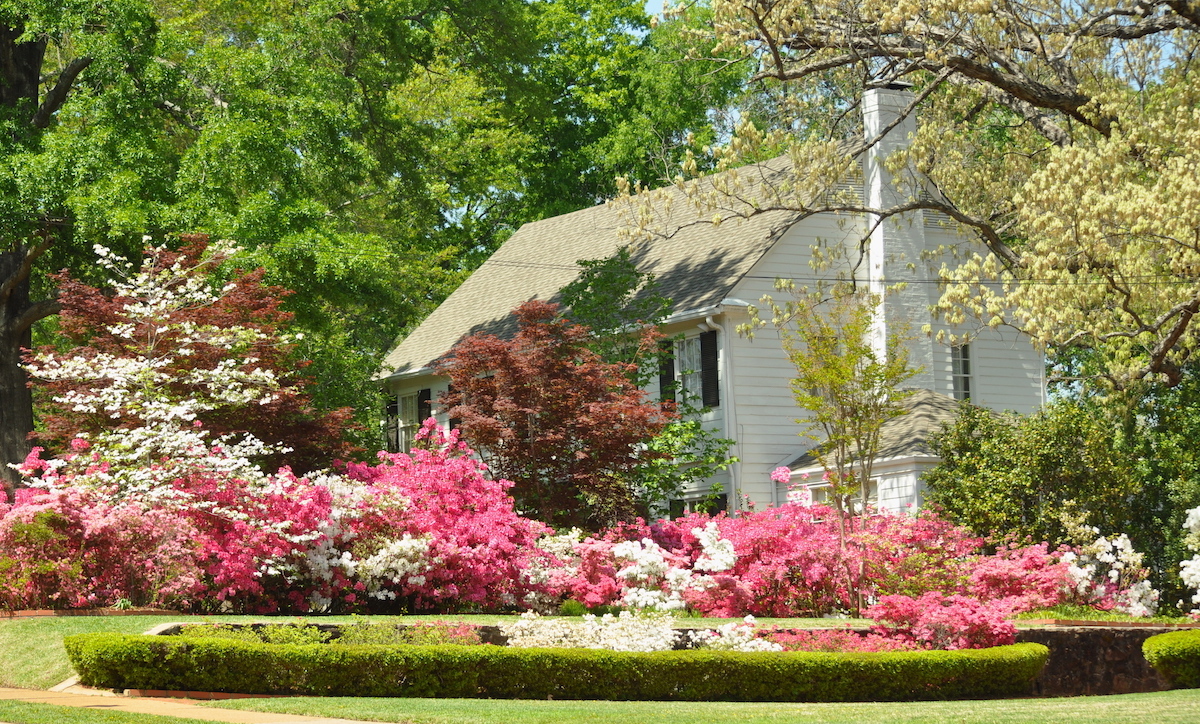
(96,699)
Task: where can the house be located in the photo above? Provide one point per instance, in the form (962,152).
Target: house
(713,274)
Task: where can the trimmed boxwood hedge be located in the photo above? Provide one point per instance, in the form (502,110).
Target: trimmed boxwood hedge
(179,663)
(1176,655)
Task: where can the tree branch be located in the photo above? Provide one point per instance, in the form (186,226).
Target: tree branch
(58,94)
(22,273)
(37,311)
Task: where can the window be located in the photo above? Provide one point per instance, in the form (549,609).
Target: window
(960,362)
(822,494)
(403,417)
(692,368)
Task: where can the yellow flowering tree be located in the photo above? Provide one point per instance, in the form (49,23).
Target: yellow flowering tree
(1064,136)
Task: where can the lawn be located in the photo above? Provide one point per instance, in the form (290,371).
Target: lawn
(20,712)
(34,658)
(1171,707)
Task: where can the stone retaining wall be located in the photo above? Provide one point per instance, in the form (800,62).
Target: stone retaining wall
(1089,660)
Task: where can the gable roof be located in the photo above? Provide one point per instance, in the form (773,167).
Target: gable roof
(908,434)
(696,266)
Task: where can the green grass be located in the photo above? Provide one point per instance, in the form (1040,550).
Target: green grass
(34,658)
(20,712)
(1170,707)
(1087,613)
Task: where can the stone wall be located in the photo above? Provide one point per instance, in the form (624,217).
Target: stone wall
(1089,660)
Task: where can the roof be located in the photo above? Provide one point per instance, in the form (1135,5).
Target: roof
(908,434)
(696,263)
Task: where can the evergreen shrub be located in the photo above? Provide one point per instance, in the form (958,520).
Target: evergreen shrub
(1176,655)
(207,664)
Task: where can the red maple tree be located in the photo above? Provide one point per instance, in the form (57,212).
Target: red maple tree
(567,428)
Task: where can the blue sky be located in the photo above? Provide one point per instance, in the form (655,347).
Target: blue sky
(654,7)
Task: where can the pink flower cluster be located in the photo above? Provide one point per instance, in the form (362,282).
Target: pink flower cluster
(836,640)
(937,621)
(222,542)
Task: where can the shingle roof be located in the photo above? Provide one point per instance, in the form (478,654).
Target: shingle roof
(696,266)
(907,434)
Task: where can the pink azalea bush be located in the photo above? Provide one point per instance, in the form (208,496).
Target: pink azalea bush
(836,640)
(72,549)
(935,620)
(478,545)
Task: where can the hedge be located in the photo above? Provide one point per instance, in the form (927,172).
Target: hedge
(179,663)
(1176,655)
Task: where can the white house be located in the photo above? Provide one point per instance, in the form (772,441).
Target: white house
(712,274)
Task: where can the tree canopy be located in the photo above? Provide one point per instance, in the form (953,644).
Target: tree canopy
(1062,135)
(366,156)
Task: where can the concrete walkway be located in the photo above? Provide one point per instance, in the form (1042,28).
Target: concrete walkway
(96,699)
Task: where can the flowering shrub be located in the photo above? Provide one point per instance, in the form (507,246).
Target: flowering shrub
(1026,577)
(944,622)
(1189,570)
(69,549)
(628,631)
(1108,574)
(734,637)
(449,538)
(836,640)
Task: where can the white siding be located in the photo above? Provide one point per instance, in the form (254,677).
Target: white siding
(766,413)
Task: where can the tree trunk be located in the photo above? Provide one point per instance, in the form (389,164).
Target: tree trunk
(16,403)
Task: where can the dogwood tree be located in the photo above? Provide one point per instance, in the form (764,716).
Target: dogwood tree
(173,359)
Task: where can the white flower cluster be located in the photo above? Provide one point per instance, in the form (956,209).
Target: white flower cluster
(1189,570)
(560,560)
(139,385)
(1113,564)
(651,571)
(733,637)
(629,631)
(398,562)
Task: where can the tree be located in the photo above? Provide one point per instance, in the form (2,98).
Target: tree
(1061,135)
(287,127)
(547,413)
(182,343)
(623,311)
(848,386)
(1002,475)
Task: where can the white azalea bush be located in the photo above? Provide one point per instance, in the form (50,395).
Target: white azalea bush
(1189,570)
(1110,573)
(629,631)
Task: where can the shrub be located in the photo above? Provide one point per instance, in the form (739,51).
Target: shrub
(1176,655)
(157,662)
(944,622)
(420,634)
(836,640)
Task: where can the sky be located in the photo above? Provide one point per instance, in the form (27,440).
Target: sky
(654,7)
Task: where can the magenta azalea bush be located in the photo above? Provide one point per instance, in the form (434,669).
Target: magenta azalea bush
(426,531)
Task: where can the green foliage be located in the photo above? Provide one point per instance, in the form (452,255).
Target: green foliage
(847,388)
(1004,474)
(148,662)
(297,633)
(420,634)
(1176,655)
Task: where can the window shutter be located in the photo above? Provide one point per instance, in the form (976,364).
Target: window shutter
(424,405)
(391,424)
(709,381)
(666,372)
(454,421)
